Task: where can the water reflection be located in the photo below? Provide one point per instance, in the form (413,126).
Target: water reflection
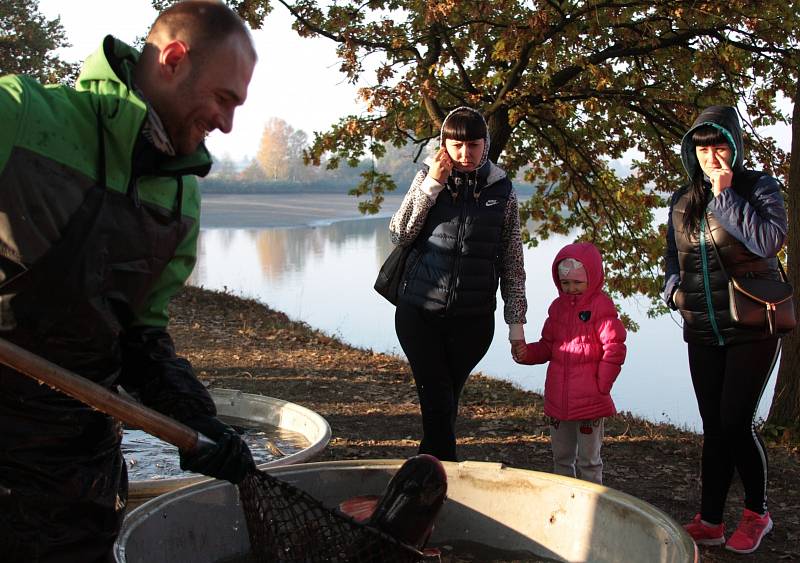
(323,276)
(286,250)
(149,458)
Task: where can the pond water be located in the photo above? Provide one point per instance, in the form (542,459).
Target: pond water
(149,458)
(323,273)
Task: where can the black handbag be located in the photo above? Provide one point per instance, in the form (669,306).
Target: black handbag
(758,303)
(391,273)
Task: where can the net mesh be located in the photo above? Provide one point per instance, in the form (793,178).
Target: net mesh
(288,525)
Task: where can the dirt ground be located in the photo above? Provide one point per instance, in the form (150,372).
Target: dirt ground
(371,405)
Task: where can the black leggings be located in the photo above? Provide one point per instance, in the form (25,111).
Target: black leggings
(442,352)
(728,383)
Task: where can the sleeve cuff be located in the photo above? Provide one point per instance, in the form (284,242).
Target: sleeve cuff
(431,187)
(516,332)
(669,288)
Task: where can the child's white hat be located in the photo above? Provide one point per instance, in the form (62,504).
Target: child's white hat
(571,269)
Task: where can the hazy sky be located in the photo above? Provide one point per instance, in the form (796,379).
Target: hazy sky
(296,79)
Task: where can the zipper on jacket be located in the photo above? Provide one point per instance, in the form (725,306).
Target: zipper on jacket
(132,190)
(459,241)
(494,277)
(707,282)
(573,301)
(410,270)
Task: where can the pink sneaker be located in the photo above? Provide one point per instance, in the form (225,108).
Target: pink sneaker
(705,534)
(752,528)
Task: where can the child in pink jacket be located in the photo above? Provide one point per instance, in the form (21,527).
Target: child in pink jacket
(584,341)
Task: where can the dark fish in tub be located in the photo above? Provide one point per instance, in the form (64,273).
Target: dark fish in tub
(409,505)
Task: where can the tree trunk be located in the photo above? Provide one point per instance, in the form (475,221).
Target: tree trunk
(785,409)
(500,132)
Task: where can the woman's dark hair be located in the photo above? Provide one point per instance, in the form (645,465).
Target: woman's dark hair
(704,136)
(708,135)
(464,125)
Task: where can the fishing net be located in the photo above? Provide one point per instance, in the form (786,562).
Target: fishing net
(288,525)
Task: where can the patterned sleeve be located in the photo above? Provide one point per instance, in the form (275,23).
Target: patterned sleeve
(512,273)
(407,221)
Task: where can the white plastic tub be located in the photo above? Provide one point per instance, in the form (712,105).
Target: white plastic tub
(489,507)
(259,410)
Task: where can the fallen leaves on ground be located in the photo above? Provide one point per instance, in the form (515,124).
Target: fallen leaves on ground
(371,404)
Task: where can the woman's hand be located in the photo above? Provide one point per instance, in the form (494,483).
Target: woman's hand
(722,177)
(441,167)
(518,350)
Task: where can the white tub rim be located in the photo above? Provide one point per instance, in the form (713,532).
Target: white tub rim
(643,507)
(142,491)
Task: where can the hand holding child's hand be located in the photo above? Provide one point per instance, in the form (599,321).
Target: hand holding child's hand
(518,350)
(441,167)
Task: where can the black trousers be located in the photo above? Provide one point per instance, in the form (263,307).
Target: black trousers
(728,383)
(442,352)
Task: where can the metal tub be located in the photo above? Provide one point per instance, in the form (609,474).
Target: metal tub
(259,410)
(489,507)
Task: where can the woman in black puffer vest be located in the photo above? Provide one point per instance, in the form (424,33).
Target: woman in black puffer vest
(740,212)
(461,216)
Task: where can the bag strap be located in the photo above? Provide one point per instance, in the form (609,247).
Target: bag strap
(783,272)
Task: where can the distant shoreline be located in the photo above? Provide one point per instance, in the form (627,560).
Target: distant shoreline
(290,209)
(265,211)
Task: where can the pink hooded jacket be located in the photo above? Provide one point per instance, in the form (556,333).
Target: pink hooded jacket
(584,341)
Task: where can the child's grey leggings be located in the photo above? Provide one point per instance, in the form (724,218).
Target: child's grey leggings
(576,448)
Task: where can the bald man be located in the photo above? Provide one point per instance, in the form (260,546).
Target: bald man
(99,209)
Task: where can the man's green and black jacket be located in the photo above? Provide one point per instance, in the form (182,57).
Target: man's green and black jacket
(49,152)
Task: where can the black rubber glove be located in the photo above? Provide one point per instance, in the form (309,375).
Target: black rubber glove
(229,458)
